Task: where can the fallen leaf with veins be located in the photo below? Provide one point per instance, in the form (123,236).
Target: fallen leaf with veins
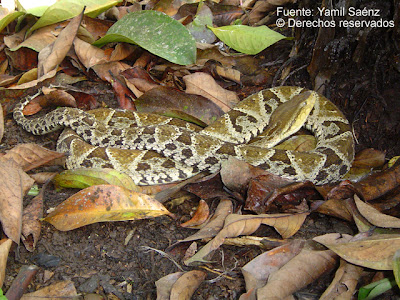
(102,203)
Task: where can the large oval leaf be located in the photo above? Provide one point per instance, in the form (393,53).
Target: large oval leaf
(155,32)
(67,9)
(246,39)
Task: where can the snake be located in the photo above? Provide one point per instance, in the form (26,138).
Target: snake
(154,149)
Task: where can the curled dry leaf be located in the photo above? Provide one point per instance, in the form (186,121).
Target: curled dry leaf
(102,203)
(344,284)
(5,245)
(31,225)
(374,216)
(375,252)
(235,225)
(257,271)
(30,156)
(204,85)
(216,223)
(89,55)
(53,54)
(300,271)
(187,284)
(200,216)
(14,184)
(164,285)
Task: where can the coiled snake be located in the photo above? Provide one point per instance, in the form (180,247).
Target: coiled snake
(153,149)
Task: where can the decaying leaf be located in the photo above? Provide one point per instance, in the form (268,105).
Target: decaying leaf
(375,252)
(164,285)
(300,271)
(102,203)
(31,156)
(53,54)
(215,224)
(13,186)
(257,271)
(1,123)
(374,216)
(235,225)
(345,282)
(200,216)
(5,245)
(31,226)
(187,284)
(204,85)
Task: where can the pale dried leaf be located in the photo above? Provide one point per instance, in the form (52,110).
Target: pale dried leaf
(187,284)
(89,55)
(53,54)
(1,123)
(344,284)
(374,216)
(235,225)
(375,252)
(164,285)
(257,271)
(5,245)
(13,186)
(204,85)
(300,271)
(30,156)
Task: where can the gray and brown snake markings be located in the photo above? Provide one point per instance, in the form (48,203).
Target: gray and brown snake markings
(153,149)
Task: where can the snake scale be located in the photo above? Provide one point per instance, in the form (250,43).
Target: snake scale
(153,149)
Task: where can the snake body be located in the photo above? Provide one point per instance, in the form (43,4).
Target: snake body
(153,149)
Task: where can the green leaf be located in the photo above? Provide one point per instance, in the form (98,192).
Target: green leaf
(396,266)
(86,177)
(9,18)
(155,32)
(375,289)
(67,9)
(246,39)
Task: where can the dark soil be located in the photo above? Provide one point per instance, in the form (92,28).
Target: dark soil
(95,257)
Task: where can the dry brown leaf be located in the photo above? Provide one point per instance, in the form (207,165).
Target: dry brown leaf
(375,252)
(228,73)
(216,223)
(300,271)
(14,185)
(369,158)
(374,216)
(42,177)
(344,284)
(31,226)
(53,54)
(187,284)
(89,55)
(200,216)
(204,85)
(164,285)
(257,271)
(30,156)
(53,292)
(5,245)
(1,123)
(235,225)
(379,184)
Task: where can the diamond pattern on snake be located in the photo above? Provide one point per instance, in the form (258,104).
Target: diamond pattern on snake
(154,149)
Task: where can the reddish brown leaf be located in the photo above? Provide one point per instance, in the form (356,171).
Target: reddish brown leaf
(200,216)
